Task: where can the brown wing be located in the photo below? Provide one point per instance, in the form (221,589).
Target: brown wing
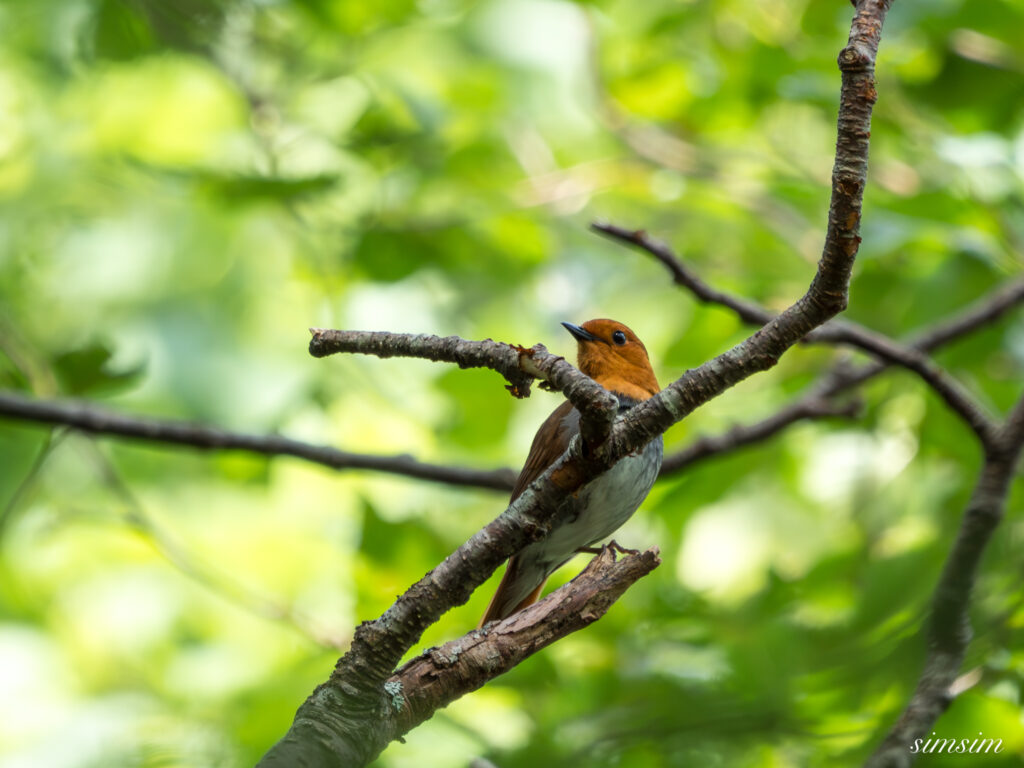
(549,443)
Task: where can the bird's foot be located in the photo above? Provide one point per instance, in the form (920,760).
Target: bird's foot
(613,545)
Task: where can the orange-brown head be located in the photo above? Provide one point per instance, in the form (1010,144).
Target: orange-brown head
(612,355)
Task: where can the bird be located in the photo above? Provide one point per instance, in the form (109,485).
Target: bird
(612,355)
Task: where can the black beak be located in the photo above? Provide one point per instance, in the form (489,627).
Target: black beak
(579,334)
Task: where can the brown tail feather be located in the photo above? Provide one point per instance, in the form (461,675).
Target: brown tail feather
(498,608)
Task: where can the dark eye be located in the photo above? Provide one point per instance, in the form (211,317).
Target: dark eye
(619,338)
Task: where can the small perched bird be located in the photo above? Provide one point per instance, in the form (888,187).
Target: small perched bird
(612,355)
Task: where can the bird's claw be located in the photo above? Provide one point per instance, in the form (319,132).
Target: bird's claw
(613,545)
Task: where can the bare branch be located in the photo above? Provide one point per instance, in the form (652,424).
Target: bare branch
(747,311)
(499,357)
(741,435)
(93,419)
(833,332)
(949,630)
(519,365)
(843,378)
(985,310)
(945,386)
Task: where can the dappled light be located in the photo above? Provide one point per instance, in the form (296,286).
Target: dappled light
(186,188)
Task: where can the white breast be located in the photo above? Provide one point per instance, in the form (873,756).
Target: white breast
(599,508)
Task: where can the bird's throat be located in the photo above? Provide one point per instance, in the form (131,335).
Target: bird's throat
(630,389)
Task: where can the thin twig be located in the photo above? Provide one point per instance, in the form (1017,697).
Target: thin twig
(747,311)
(833,332)
(844,377)
(742,435)
(951,391)
(93,419)
(50,441)
(204,574)
(985,310)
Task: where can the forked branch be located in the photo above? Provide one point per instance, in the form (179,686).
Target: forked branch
(883,348)
(439,676)
(336,725)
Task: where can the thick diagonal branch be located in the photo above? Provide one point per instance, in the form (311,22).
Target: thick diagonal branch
(327,725)
(828,293)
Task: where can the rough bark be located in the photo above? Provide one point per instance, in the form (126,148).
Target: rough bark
(337,724)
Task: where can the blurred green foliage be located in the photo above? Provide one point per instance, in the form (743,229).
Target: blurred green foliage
(185,187)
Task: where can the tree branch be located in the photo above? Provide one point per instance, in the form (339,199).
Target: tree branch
(811,406)
(748,311)
(843,377)
(949,630)
(441,675)
(833,332)
(503,358)
(93,419)
(985,310)
(519,365)
(959,400)
(338,719)
(828,293)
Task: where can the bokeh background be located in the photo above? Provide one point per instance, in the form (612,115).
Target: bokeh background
(185,187)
